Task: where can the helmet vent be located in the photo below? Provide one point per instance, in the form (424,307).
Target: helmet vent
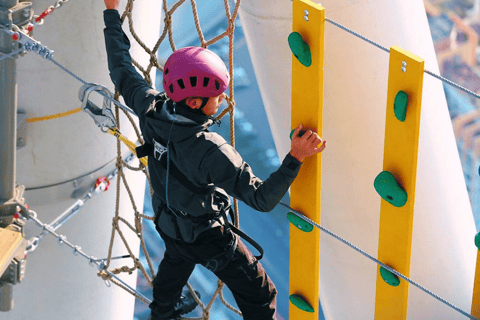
(181,84)
(217,85)
(170,87)
(205,81)
(193,81)
(165,72)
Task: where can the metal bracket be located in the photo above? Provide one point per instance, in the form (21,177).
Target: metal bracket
(12,206)
(21,130)
(20,14)
(103,117)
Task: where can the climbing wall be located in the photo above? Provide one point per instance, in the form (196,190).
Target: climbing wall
(356,78)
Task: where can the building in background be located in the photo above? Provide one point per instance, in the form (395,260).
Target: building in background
(455,28)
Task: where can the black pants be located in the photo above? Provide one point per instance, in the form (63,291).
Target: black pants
(254,292)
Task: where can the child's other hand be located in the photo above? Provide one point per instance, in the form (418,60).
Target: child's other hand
(112,4)
(306,145)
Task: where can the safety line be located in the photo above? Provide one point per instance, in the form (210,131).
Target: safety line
(84,82)
(78,250)
(357,35)
(453,84)
(307,219)
(387,50)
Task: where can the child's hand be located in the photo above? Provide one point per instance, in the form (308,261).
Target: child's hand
(112,4)
(306,145)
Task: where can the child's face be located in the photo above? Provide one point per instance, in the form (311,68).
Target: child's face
(213,104)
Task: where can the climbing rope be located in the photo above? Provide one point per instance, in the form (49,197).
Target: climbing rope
(364,253)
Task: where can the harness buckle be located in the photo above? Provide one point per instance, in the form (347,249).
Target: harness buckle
(103,117)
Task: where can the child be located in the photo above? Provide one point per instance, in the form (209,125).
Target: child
(194,172)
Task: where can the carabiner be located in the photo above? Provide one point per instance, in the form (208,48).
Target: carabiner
(104,117)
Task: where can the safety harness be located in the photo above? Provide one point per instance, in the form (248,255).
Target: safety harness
(157,150)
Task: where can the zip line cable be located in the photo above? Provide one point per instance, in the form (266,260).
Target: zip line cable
(125,108)
(11,54)
(307,219)
(388,50)
(77,250)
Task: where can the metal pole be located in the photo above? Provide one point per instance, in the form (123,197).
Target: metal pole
(8,132)
(8,113)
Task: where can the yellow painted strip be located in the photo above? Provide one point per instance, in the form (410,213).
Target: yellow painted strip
(307,105)
(476,290)
(400,158)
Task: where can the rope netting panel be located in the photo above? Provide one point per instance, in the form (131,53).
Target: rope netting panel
(127,17)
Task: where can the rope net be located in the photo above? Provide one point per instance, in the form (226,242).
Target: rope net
(168,14)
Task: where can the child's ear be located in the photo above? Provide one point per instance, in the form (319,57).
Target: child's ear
(192,103)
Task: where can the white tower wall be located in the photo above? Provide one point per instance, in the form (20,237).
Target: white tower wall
(66,155)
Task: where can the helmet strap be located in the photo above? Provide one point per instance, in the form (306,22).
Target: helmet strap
(204,103)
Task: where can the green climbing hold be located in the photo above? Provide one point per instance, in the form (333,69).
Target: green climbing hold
(299,134)
(301,303)
(300,49)
(400,105)
(388,188)
(389,277)
(299,222)
(477,240)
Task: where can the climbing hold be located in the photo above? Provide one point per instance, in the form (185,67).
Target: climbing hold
(477,240)
(300,49)
(400,105)
(389,277)
(388,188)
(299,134)
(299,222)
(301,303)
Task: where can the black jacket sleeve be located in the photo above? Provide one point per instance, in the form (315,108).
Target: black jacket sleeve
(136,92)
(227,170)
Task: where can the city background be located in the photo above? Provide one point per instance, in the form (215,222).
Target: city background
(455,28)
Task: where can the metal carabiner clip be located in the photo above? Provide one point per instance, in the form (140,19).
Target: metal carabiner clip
(103,117)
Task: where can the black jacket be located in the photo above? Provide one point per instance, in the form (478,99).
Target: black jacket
(204,157)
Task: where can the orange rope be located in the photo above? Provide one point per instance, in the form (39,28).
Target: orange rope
(55,116)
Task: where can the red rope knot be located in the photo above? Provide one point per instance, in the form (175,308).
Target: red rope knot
(102,184)
(44,14)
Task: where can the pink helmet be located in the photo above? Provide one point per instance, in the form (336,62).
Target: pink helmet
(194,72)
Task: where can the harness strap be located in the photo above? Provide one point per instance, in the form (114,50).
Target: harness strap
(243,235)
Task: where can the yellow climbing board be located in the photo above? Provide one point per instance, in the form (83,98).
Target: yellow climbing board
(307,105)
(400,159)
(476,290)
